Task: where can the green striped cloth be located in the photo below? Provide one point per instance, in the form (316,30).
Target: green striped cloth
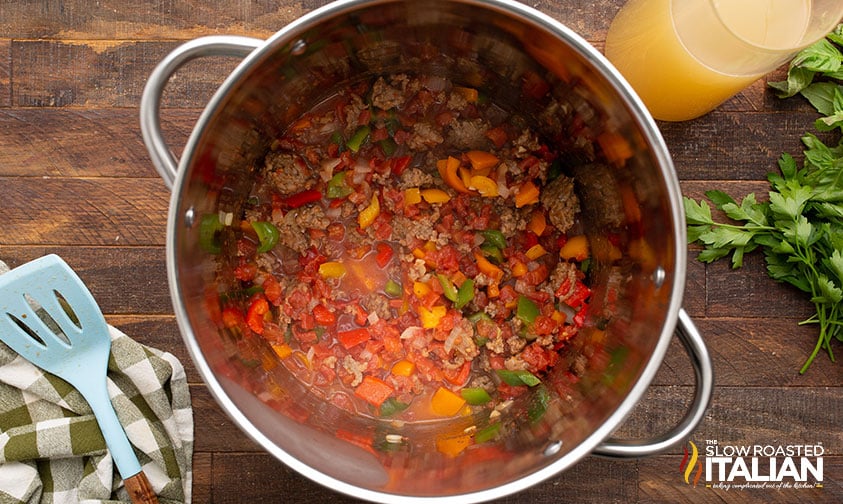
(51,448)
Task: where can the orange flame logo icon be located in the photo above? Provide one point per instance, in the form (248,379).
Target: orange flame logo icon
(689,463)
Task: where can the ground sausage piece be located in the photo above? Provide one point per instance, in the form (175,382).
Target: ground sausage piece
(424,137)
(312,217)
(469,134)
(291,233)
(287,173)
(385,96)
(561,202)
(377,303)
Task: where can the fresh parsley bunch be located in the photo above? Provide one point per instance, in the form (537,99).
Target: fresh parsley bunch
(800,228)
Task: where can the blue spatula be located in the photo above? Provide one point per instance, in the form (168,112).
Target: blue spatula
(49,317)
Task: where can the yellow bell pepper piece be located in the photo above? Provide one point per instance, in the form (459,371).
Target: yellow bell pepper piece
(435,196)
(332,269)
(430,317)
(446,403)
(421,289)
(527,194)
(535,252)
(412,196)
(368,215)
(484,185)
(575,248)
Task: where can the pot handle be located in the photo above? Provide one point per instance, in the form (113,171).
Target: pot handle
(150,106)
(704,376)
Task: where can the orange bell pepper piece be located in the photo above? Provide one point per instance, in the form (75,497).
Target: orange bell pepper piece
(575,248)
(482,161)
(527,194)
(487,268)
(448,170)
(538,223)
(403,368)
(615,147)
(446,403)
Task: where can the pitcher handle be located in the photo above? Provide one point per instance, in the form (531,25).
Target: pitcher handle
(704,376)
(150,106)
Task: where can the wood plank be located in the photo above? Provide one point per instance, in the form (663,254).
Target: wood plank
(147,19)
(203,481)
(123,280)
(735,145)
(5,72)
(753,353)
(95,74)
(81,142)
(82,211)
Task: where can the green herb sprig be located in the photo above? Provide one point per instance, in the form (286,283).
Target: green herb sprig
(800,228)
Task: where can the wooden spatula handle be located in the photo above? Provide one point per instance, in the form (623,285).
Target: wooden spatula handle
(140,490)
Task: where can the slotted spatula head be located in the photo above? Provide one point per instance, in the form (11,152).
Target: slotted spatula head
(49,317)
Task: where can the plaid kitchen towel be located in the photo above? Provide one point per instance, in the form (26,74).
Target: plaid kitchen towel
(52,450)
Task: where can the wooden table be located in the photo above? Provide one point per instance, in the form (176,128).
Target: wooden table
(75,179)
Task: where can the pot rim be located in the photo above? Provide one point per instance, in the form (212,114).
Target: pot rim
(648,130)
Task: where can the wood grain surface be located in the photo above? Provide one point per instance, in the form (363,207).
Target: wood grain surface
(76,180)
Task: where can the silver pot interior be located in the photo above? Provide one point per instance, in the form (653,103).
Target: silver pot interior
(495,48)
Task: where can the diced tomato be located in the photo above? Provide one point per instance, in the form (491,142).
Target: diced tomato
(383,254)
(543,325)
(458,376)
(246,271)
(272,290)
(231,318)
(497,136)
(428,370)
(258,309)
(539,358)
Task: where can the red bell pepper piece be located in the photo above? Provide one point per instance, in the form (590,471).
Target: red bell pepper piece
(373,390)
(353,337)
(302,198)
(324,316)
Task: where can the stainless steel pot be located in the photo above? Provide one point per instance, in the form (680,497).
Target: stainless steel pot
(486,44)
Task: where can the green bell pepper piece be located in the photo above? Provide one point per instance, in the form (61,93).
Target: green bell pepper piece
(267,235)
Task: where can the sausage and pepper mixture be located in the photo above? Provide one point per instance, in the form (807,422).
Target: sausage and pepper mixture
(409,251)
